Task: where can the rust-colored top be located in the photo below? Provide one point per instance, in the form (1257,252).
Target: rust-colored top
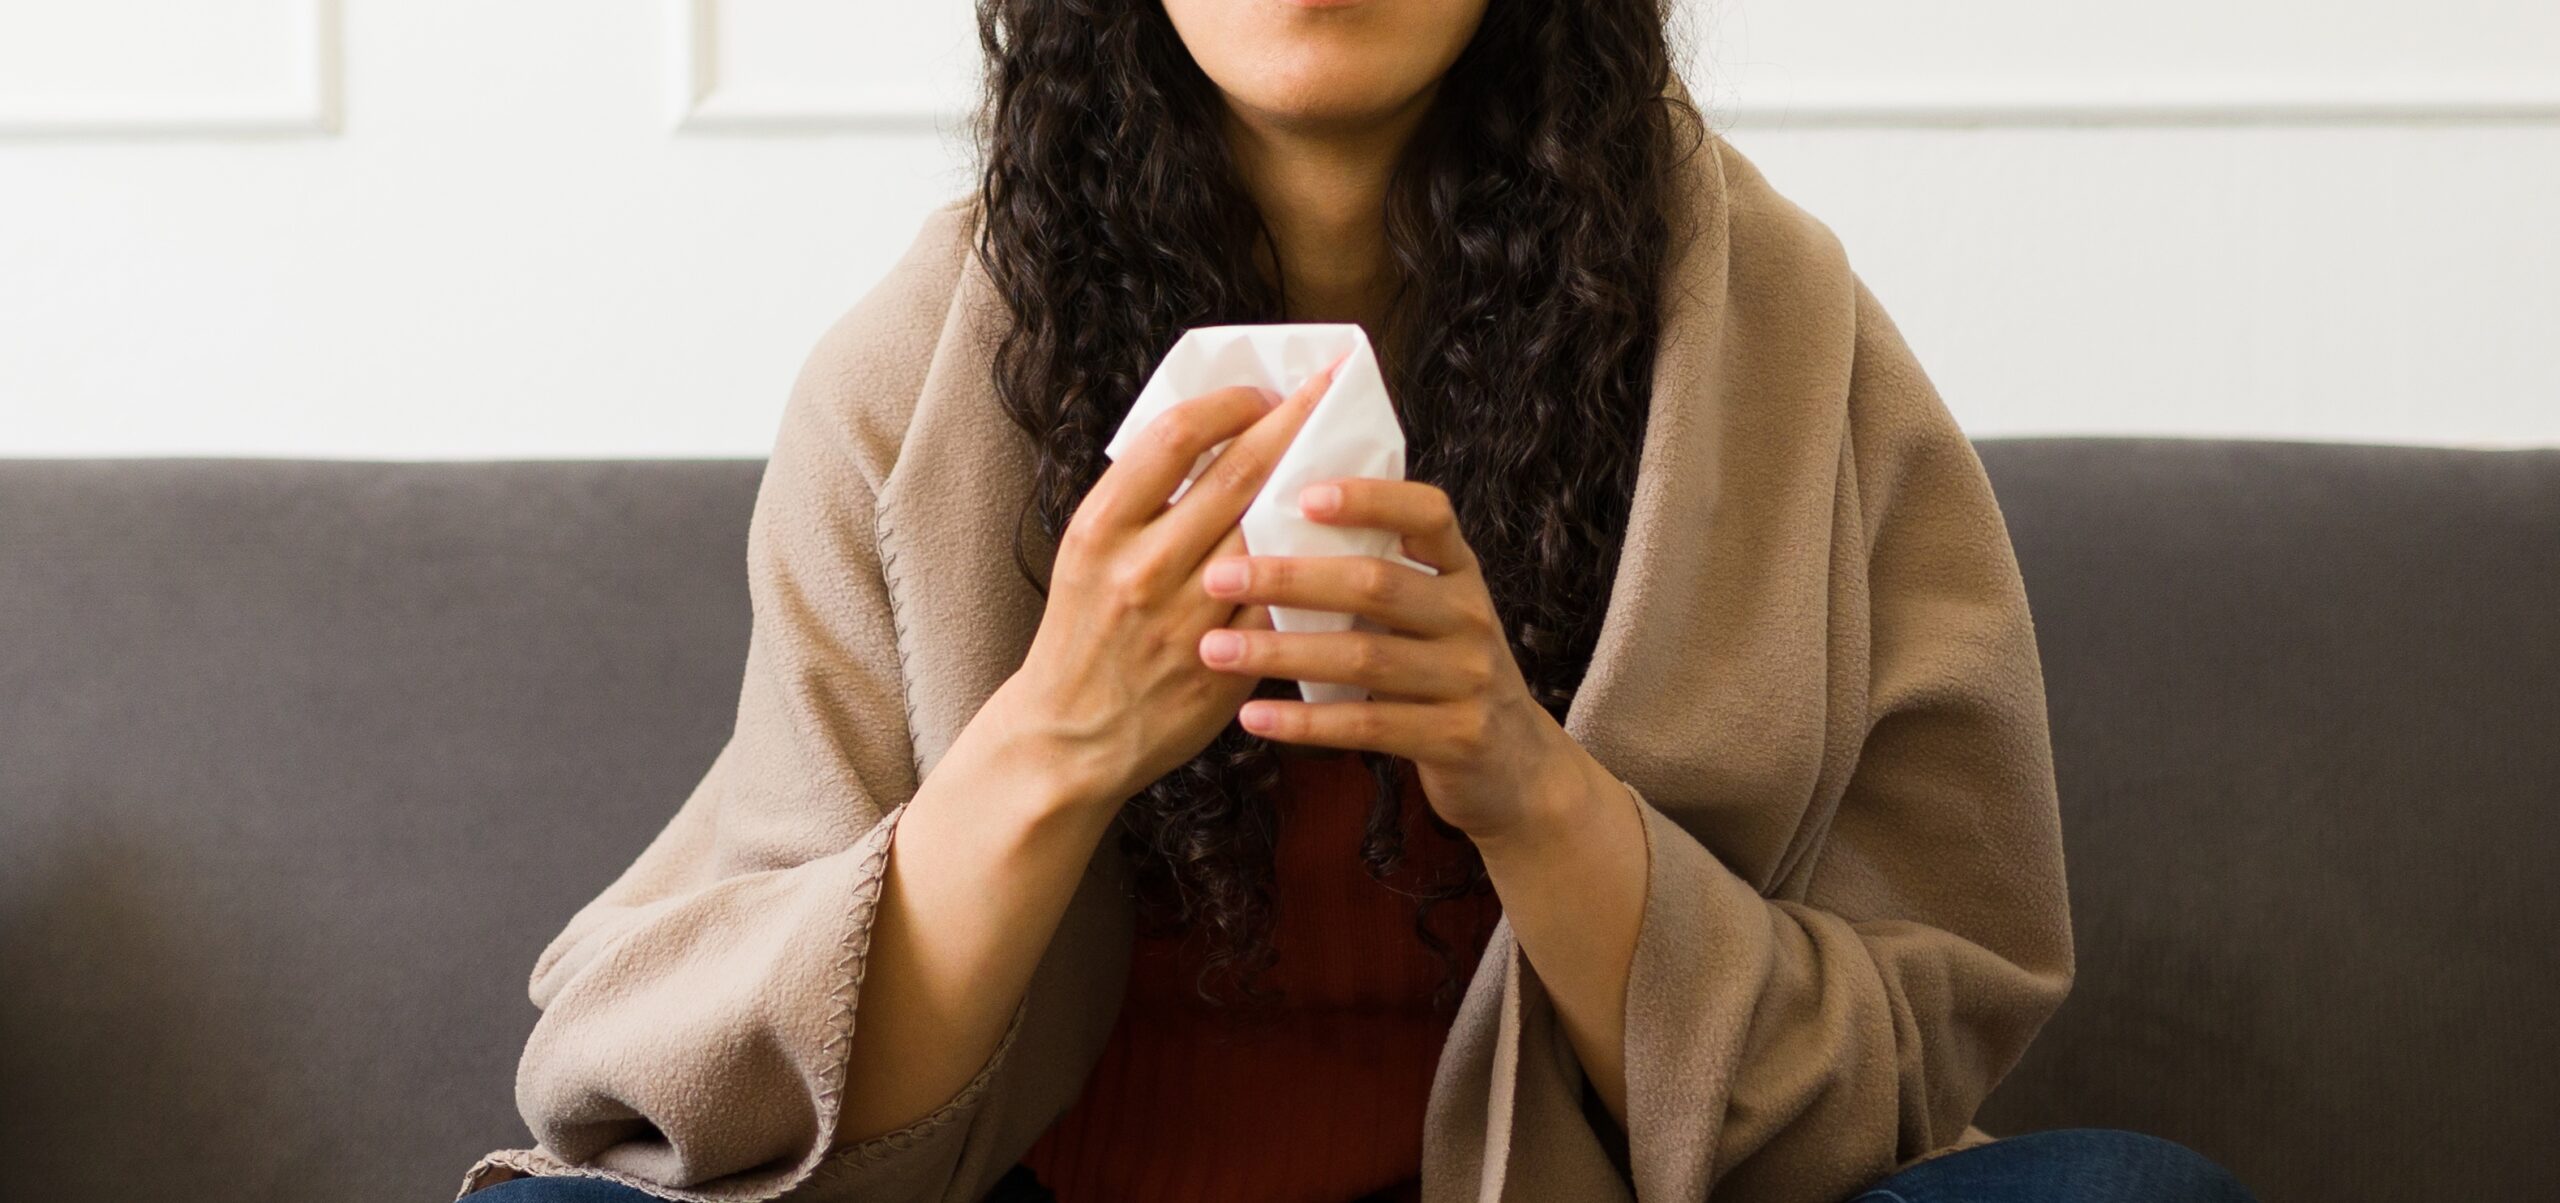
(1315,1096)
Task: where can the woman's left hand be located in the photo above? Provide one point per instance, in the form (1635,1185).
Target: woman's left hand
(1444,691)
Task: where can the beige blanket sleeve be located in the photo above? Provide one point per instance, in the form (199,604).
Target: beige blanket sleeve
(1817,677)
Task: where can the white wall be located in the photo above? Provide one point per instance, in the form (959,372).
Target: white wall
(427,228)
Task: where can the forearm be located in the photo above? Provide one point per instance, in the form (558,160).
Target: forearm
(981,868)
(1572,882)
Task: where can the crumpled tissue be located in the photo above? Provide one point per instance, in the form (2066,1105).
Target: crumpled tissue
(1351,432)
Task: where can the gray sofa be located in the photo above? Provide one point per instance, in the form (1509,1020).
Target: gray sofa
(302,762)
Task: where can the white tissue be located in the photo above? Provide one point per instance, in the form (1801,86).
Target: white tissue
(1352,432)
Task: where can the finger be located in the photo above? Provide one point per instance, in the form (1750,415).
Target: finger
(1400,728)
(1390,594)
(1418,511)
(1222,611)
(1219,496)
(1398,665)
(1132,491)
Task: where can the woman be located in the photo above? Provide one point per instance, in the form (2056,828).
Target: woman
(1699,833)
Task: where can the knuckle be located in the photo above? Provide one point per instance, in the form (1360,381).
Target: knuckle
(1365,658)
(1175,431)
(1127,583)
(1082,533)
(1234,471)
(1377,581)
(1470,730)
(1233,394)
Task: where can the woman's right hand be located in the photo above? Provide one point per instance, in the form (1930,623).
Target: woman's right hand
(1112,690)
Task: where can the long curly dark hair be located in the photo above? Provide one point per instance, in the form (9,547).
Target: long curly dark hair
(1527,222)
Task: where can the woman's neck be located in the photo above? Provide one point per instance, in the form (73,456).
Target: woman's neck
(1322,189)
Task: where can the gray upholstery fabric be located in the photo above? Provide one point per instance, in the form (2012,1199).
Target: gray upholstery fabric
(300,764)
(2306,722)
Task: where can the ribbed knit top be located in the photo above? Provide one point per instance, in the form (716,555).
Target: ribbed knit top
(1315,1096)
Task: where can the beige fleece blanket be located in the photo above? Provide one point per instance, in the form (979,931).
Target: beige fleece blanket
(1817,674)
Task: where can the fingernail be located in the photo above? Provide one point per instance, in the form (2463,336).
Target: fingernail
(1270,398)
(1224,577)
(1255,718)
(1221,647)
(1320,499)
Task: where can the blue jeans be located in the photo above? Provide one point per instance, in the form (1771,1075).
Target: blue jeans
(2066,1165)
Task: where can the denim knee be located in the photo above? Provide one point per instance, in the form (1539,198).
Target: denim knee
(561,1189)
(2065,1165)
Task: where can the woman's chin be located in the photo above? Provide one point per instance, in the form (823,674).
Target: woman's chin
(1324,66)
(1326,100)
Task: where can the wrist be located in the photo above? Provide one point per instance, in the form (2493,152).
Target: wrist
(1562,797)
(1026,762)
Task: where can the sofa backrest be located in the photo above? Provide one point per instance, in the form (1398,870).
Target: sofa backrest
(2306,721)
(301,763)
